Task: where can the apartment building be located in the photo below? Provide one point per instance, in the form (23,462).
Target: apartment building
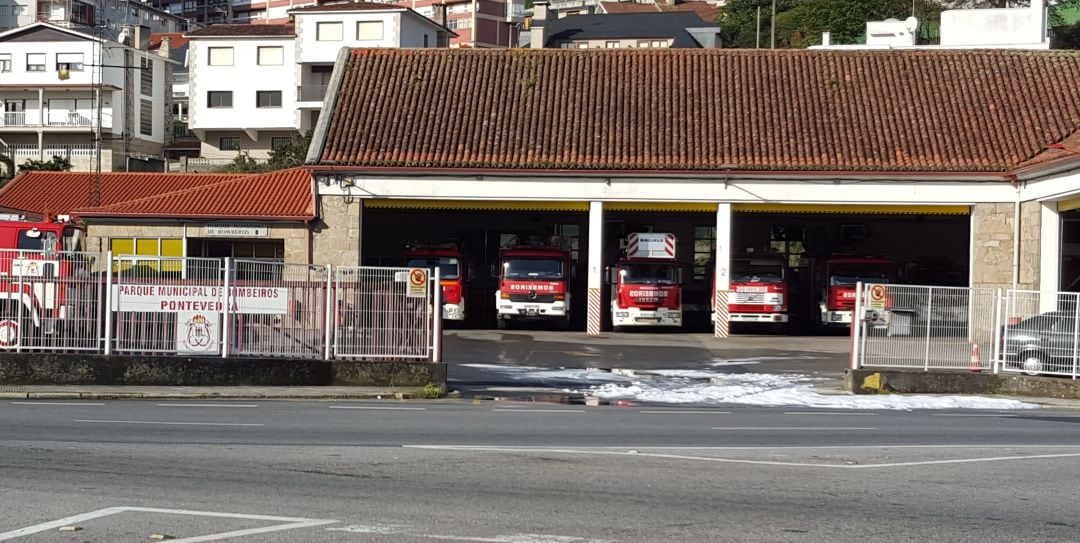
(59,85)
(110,15)
(675,30)
(256,87)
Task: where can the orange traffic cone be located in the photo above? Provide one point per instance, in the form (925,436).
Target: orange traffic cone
(975,365)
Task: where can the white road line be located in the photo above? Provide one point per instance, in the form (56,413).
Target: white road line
(637,453)
(56,403)
(539,410)
(685,412)
(238,405)
(169,423)
(970,415)
(374,408)
(747,448)
(290,523)
(792,428)
(830,414)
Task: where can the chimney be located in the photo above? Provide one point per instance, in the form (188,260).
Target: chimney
(826,39)
(438,14)
(163,49)
(538,32)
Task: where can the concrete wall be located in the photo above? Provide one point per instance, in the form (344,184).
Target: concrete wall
(337,240)
(992,245)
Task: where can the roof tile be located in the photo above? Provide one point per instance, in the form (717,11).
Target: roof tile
(632,109)
(243,30)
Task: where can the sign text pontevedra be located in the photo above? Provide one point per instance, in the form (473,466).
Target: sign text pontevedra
(209,299)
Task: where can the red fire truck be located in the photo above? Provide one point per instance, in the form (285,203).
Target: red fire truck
(35,276)
(759,288)
(837,285)
(533,285)
(453,273)
(646,284)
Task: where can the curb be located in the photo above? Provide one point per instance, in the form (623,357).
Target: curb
(197,396)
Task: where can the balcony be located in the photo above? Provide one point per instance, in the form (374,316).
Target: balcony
(311,93)
(573,4)
(180,131)
(61,119)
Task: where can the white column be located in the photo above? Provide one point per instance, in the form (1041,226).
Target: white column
(1049,256)
(596,268)
(722,259)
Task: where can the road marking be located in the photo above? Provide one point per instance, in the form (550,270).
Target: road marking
(628,451)
(378,408)
(830,414)
(686,412)
(758,447)
(540,410)
(290,523)
(56,403)
(237,405)
(971,415)
(394,529)
(170,423)
(792,428)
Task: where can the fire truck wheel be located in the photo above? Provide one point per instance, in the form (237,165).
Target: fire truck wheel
(502,324)
(563,324)
(9,333)
(619,329)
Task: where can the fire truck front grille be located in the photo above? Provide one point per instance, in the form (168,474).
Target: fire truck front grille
(749,297)
(538,299)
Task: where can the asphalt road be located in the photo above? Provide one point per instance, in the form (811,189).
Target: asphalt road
(530,473)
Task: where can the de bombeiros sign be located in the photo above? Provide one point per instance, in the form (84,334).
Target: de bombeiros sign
(236,230)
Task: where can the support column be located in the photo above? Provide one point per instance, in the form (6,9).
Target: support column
(1049,256)
(595,316)
(721,273)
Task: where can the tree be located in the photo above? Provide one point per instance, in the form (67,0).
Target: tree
(9,168)
(282,157)
(54,164)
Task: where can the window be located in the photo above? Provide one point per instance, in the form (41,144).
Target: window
(146,77)
(329,31)
(369,30)
(426,41)
(221,56)
(82,13)
(659,43)
(611,44)
(229,143)
(644,43)
(219,99)
(583,45)
(456,24)
(271,56)
(267,98)
(278,143)
(176,9)
(704,245)
(160,253)
(72,62)
(5,62)
(35,62)
(146,117)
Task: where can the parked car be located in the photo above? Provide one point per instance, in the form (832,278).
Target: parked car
(1045,343)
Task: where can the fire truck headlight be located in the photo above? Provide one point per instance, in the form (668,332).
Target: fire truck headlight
(777,308)
(622,314)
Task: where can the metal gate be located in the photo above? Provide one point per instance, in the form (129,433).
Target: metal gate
(276,309)
(386,313)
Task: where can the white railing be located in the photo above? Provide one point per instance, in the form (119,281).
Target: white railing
(15,119)
(18,150)
(54,119)
(1040,334)
(206,307)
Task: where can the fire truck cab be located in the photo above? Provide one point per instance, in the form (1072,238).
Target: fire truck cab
(34,274)
(837,285)
(533,285)
(453,274)
(646,284)
(759,288)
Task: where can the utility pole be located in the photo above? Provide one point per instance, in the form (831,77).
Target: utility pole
(758,44)
(772,27)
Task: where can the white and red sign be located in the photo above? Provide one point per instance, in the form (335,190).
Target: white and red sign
(200,299)
(648,245)
(198,332)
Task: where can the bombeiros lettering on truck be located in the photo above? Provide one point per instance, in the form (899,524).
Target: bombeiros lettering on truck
(534,284)
(759,288)
(836,285)
(646,284)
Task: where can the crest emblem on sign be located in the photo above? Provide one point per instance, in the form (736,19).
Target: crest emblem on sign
(198,333)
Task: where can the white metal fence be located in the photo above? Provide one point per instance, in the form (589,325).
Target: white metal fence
(1040,334)
(161,306)
(381,313)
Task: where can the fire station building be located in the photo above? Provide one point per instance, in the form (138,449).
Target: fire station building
(962,167)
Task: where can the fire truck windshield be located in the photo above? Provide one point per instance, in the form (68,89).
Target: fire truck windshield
(448,267)
(757,271)
(849,274)
(642,273)
(533,268)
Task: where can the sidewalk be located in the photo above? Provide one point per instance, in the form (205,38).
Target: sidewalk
(92,392)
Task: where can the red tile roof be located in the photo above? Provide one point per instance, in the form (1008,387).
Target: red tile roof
(628,7)
(646,110)
(349,6)
(64,192)
(176,39)
(283,195)
(243,30)
(708,12)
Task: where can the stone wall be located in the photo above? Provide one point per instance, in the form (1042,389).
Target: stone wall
(992,237)
(1030,235)
(337,238)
